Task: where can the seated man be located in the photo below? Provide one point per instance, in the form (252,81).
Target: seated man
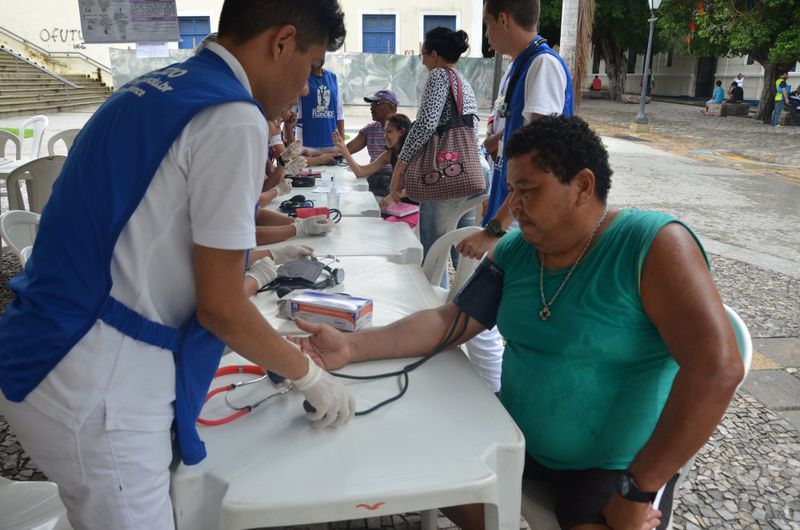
(735,93)
(717,97)
(596,85)
(619,358)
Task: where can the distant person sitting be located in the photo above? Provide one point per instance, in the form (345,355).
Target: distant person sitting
(735,93)
(596,85)
(717,97)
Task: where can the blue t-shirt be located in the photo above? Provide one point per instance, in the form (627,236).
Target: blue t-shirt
(318,113)
(719,95)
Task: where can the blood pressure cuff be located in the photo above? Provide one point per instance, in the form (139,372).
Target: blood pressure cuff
(480,296)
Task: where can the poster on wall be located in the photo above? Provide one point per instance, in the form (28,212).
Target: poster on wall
(129,20)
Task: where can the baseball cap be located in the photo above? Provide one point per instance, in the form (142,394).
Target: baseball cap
(382,95)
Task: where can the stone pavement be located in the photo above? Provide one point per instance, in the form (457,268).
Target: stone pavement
(748,474)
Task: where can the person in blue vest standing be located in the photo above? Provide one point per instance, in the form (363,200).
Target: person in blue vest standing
(539,85)
(321,111)
(135,281)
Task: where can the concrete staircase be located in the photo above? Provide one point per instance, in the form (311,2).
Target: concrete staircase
(27,90)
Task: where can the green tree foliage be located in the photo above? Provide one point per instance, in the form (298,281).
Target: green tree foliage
(767,30)
(620,28)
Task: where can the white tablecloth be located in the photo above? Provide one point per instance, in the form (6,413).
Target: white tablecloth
(447,442)
(351,204)
(366,236)
(396,291)
(342,176)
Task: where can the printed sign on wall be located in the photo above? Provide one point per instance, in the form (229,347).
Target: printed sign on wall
(129,20)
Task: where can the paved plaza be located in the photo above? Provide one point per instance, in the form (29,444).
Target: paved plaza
(736,182)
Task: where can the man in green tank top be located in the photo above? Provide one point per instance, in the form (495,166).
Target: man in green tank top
(619,360)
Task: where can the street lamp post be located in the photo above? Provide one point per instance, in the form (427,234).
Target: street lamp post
(641,118)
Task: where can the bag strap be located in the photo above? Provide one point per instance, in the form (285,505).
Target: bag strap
(513,82)
(459,101)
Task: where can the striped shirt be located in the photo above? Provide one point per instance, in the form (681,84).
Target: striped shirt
(376,141)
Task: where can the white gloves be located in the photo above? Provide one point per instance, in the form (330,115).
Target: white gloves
(333,403)
(312,226)
(263,271)
(291,151)
(296,165)
(284,187)
(288,253)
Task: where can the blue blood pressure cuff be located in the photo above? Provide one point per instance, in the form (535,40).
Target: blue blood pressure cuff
(480,296)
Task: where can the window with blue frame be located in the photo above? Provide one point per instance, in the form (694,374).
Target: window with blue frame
(435,21)
(378,33)
(192,30)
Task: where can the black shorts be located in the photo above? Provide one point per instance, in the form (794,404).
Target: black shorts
(582,494)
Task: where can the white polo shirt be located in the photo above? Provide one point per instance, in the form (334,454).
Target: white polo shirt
(204,192)
(545,87)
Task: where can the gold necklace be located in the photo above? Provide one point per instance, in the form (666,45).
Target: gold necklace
(545,312)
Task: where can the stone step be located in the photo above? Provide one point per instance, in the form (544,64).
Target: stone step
(29,110)
(21,91)
(55,99)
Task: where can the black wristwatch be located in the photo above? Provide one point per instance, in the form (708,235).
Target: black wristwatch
(494,228)
(628,489)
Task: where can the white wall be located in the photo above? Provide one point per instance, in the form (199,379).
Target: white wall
(409,21)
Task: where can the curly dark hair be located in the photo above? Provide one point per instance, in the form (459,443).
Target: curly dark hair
(316,21)
(564,146)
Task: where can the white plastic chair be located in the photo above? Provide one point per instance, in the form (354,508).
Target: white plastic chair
(31,506)
(18,229)
(39,176)
(476,203)
(538,501)
(38,124)
(436,262)
(6,137)
(68,137)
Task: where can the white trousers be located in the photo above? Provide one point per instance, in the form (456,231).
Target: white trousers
(107,479)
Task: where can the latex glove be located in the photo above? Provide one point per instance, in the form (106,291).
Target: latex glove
(291,151)
(284,187)
(312,226)
(333,403)
(263,271)
(289,253)
(296,165)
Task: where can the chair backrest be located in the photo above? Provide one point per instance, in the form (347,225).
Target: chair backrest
(18,229)
(436,259)
(25,254)
(68,137)
(39,176)
(475,203)
(6,137)
(39,124)
(538,501)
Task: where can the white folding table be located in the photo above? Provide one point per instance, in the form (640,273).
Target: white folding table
(447,442)
(396,291)
(351,204)
(342,177)
(365,236)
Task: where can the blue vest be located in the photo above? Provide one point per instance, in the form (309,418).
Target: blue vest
(65,286)
(515,120)
(319,110)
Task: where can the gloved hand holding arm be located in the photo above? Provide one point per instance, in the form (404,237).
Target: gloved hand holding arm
(263,271)
(312,226)
(333,403)
(296,165)
(289,253)
(291,151)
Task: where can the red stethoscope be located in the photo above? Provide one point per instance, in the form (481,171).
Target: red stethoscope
(284,386)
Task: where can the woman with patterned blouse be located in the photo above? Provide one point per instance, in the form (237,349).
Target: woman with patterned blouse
(441,50)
